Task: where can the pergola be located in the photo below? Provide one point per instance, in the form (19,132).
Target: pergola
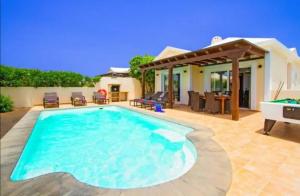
(231,52)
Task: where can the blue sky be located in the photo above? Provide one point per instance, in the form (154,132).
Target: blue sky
(89,36)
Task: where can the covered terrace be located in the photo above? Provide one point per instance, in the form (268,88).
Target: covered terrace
(231,52)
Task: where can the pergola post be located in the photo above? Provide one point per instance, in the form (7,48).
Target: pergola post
(235,89)
(143,83)
(170,87)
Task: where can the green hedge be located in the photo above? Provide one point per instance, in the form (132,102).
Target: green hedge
(16,77)
(6,104)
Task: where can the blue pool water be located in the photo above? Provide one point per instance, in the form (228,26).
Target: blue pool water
(111,147)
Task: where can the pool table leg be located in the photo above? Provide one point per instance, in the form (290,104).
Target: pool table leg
(268,125)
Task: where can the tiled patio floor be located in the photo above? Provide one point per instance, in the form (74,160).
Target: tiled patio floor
(262,165)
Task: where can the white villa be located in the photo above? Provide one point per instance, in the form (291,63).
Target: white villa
(259,77)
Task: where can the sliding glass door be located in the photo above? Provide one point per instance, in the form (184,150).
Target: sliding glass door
(176,85)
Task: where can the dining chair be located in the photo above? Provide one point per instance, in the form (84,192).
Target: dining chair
(211,105)
(195,101)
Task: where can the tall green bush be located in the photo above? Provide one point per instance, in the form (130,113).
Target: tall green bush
(6,104)
(135,72)
(17,77)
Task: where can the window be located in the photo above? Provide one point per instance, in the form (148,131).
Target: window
(176,85)
(219,81)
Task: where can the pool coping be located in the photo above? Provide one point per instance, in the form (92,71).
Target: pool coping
(210,175)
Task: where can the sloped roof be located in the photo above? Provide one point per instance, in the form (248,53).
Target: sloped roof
(170,51)
(265,43)
(118,70)
(257,41)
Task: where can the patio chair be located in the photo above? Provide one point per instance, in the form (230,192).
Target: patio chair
(140,100)
(159,98)
(78,99)
(50,99)
(211,105)
(195,101)
(163,99)
(157,95)
(152,98)
(190,97)
(228,106)
(202,102)
(100,98)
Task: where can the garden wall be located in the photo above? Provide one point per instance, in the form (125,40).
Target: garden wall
(30,96)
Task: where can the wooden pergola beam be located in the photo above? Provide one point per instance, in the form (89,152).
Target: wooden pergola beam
(197,58)
(143,83)
(170,86)
(235,115)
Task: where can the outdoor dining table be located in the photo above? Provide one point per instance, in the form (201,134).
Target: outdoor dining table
(222,99)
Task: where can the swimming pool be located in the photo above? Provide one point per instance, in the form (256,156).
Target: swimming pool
(112,147)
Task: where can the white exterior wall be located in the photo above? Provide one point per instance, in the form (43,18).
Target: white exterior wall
(294,76)
(278,72)
(30,96)
(282,69)
(127,84)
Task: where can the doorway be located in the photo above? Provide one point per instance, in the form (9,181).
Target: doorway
(245,87)
(176,85)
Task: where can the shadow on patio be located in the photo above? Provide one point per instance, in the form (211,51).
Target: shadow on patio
(281,130)
(243,112)
(284,131)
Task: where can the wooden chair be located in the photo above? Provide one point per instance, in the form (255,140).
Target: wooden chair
(195,101)
(190,97)
(228,106)
(211,105)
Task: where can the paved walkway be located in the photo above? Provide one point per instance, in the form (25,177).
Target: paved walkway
(9,119)
(262,165)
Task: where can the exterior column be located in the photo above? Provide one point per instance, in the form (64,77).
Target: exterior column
(235,113)
(143,83)
(170,87)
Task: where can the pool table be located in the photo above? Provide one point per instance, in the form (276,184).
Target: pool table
(284,110)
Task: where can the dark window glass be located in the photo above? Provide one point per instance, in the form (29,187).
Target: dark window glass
(219,81)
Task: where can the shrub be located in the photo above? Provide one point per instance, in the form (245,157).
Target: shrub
(16,77)
(135,72)
(6,104)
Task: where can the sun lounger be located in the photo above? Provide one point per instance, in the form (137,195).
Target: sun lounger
(162,99)
(78,99)
(139,101)
(50,99)
(100,98)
